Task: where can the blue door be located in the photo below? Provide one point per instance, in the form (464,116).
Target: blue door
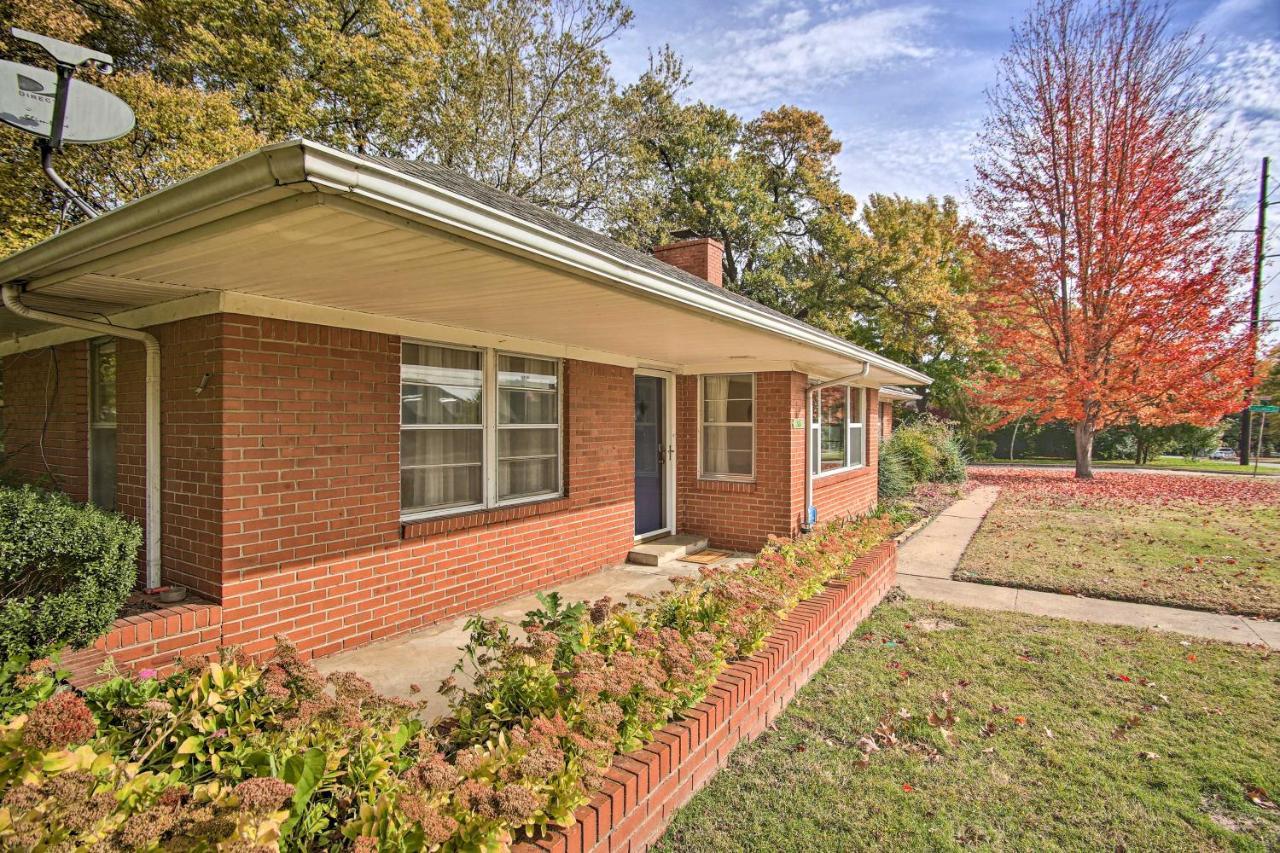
(650,461)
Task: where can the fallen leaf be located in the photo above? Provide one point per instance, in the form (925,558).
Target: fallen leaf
(1020,720)
(1048,732)
(1149,756)
(906,787)
(1259,798)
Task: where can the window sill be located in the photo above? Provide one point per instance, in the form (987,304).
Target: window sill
(834,472)
(720,484)
(423,527)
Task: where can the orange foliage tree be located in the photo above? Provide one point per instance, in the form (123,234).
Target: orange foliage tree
(1104,193)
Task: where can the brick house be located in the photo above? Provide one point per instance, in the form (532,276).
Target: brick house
(352,396)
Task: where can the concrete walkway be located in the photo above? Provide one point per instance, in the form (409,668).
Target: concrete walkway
(927,560)
(427,657)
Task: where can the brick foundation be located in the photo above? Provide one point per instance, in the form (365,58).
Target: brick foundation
(645,788)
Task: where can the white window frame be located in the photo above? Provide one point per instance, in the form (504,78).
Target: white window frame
(815,432)
(489,357)
(96,347)
(702,423)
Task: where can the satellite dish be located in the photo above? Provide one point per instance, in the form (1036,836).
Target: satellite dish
(28,96)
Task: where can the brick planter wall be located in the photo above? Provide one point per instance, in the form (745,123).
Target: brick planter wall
(645,788)
(153,640)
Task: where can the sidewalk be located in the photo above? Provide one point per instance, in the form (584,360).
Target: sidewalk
(927,560)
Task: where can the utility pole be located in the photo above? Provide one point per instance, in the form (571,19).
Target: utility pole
(1255,316)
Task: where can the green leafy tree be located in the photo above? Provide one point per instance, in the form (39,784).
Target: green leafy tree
(355,75)
(526,101)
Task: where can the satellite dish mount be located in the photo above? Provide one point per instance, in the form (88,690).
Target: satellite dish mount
(100,116)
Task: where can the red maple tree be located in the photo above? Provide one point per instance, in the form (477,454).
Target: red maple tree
(1104,192)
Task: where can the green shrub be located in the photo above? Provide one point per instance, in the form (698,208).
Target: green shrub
(984,450)
(918,452)
(66,569)
(240,755)
(929,449)
(951,462)
(895,478)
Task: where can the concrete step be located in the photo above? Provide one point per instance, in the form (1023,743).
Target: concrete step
(659,552)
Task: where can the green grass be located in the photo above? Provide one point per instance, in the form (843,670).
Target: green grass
(1161,761)
(1222,557)
(1211,466)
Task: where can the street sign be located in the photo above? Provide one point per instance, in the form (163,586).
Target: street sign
(1270,410)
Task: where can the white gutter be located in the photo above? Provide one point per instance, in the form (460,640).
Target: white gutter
(10,295)
(809,515)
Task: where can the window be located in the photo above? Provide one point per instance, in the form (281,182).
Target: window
(836,429)
(463,420)
(528,427)
(102,423)
(728,426)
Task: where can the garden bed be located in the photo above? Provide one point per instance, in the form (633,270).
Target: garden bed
(240,752)
(646,787)
(1202,543)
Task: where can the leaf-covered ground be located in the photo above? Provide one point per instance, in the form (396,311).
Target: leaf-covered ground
(1210,543)
(940,728)
(1163,463)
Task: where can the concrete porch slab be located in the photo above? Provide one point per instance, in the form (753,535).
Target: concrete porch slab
(428,656)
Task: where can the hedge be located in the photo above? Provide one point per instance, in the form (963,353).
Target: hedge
(66,569)
(239,754)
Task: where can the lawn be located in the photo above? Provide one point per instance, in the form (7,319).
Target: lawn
(940,728)
(1210,543)
(1163,463)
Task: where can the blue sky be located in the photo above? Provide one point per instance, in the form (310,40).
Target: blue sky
(902,83)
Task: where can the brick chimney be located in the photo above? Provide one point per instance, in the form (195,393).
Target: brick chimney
(701,256)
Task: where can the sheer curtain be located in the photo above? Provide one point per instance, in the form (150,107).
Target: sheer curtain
(728,440)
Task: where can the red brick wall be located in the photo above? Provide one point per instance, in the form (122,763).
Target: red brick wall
(55,380)
(742,515)
(191,439)
(313,543)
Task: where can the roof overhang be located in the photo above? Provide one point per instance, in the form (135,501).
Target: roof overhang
(302,231)
(888,392)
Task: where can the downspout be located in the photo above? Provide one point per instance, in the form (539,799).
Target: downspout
(11,294)
(807,523)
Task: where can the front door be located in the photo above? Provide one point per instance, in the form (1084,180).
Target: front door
(651,442)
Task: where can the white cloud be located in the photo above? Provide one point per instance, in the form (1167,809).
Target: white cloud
(912,162)
(1247,73)
(784,58)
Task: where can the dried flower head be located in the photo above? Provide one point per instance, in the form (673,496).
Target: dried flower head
(59,721)
(263,793)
